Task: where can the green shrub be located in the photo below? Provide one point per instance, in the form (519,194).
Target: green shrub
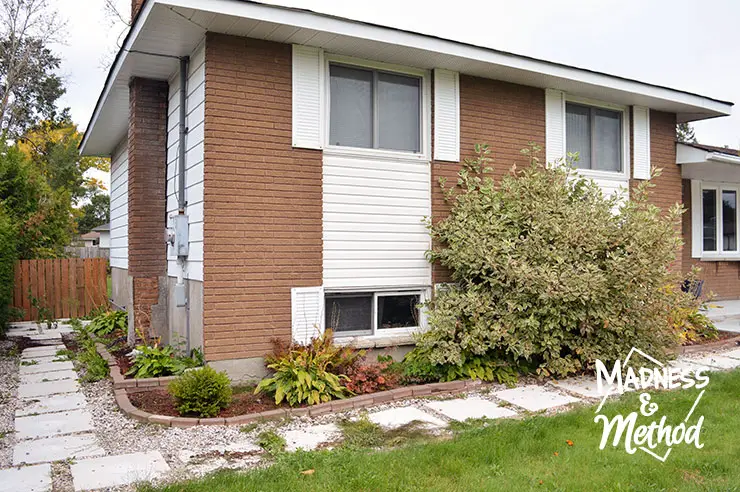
(87,357)
(548,271)
(306,374)
(8,257)
(158,361)
(109,322)
(202,392)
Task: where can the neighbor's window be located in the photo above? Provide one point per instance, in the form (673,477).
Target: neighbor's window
(719,213)
(365,312)
(374,109)
(596,135)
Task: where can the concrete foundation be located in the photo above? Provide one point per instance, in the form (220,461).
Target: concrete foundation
(180,317)
(242,370)
(120,294)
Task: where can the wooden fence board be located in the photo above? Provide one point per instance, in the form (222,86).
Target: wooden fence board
(69,287)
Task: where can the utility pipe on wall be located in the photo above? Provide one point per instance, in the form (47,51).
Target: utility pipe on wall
(184,64)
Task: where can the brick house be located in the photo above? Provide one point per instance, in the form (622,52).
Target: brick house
(292,156)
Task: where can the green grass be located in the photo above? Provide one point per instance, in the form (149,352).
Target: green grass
(109,283)
(529,454)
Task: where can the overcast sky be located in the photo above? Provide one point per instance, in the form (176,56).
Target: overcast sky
(685,44)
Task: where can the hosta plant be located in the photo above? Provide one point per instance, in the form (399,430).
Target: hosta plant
(109,322)
(303,376)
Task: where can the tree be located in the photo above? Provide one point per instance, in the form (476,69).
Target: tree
(685,133)
(94,213)
(29,88)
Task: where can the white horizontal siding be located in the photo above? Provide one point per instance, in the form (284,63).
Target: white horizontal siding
(119,207)
(193,267)
(373,230)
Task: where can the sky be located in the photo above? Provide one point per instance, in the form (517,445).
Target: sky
(687,45)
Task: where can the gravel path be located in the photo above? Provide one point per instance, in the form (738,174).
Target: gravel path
(8,386)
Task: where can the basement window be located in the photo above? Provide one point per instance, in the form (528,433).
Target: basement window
(371,313)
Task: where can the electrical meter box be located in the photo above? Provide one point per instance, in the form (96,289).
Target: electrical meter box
(179,235)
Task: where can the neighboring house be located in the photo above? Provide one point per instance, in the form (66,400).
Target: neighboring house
(104,231)
(90,240)
(711,186)
(309,154)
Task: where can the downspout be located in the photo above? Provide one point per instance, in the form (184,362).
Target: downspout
(184,65)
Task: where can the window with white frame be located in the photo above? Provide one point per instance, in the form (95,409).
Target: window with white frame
(371,313)
(597,135)
(719,219)
(374,109)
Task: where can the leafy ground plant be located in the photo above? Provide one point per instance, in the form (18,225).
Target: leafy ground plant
(272,442)
(158,361)
(109,322)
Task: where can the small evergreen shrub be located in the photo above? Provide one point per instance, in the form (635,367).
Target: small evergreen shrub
(548,272)
(203,392)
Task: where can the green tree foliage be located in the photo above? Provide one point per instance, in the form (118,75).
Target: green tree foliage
(549,272)
(8,256)
(29,84)
(94,213)
(42,216)
(685,133)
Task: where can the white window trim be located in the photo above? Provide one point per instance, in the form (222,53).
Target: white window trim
(697,222)
(623,175)
(376,333)
(382,154)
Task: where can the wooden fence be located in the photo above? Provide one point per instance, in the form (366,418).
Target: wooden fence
(87,252)
(69,288)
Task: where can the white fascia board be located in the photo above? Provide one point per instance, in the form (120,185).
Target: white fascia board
(356,29)
(719,157)
(144,13)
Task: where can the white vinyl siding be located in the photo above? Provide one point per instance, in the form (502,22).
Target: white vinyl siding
(307,313)
(119,207)
(308,65)
(372,222)
(446,115)
(641,141)
(193,163)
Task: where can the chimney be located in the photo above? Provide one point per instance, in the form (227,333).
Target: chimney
(135,7)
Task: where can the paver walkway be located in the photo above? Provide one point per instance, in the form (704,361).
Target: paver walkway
(52,423)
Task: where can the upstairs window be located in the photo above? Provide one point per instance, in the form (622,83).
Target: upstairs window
(596,135)
(374,109)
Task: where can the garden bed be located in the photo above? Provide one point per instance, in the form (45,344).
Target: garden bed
(159,401)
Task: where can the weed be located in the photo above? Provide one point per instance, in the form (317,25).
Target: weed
(272,442)
(469,424)
(246,429)
(29,362)
(361,433)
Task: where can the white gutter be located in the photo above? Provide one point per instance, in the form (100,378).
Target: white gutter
(719,157)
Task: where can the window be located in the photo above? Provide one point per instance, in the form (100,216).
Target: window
(596,135)
(374,109)
(719,219)
(368,313)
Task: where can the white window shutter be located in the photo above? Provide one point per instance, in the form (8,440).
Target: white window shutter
(641,141)
(308,68)
(697,224)
(307,313)
(446,115)
(554,125)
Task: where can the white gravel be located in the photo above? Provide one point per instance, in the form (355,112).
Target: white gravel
(9,363)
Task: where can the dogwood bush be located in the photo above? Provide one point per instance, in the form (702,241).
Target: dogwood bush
(548,271)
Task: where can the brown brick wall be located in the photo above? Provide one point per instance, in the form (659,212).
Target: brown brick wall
(506,117)
(720,277)
(147,185)
(135,7)
(263,199)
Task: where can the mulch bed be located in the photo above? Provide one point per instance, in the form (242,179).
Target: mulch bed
(159,402)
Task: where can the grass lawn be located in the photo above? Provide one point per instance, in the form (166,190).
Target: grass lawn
(529,454)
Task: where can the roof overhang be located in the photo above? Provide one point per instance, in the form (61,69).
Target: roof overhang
(708,166)
(167,29)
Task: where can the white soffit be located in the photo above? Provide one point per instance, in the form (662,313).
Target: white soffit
(175,27)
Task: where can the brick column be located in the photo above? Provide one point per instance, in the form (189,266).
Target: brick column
(135,7)
(147,204)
